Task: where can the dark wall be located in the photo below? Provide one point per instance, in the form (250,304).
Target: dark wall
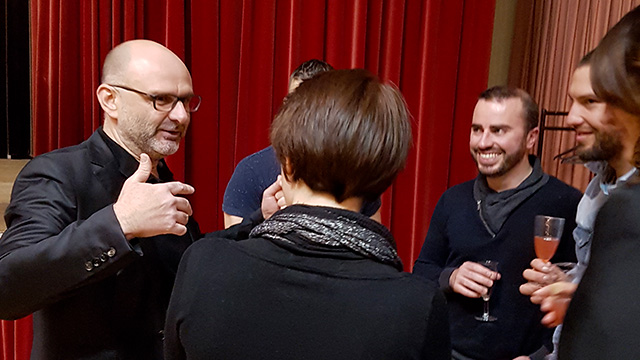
(15,113)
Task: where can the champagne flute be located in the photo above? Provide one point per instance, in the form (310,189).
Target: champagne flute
(493,266)
(547,231)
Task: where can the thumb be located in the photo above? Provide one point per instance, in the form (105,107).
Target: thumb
(144,169)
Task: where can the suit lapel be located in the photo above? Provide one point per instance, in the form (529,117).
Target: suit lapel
(105,169)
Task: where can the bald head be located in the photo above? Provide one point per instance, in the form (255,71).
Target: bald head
(137,59)
(135,75)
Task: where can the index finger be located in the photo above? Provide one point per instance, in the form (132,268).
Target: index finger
(272,189)
(178,188)
(535,276)
(541,265)
(560,288)
(482,270)
(529,288)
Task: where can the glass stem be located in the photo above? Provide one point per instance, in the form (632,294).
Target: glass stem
(486,309)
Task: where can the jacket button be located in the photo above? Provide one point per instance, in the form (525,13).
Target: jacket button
(88,266)
(96,262)
(111,252)
(103,257)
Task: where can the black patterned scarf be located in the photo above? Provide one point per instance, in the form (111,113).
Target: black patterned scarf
(331,227)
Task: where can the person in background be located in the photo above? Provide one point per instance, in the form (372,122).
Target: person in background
(259,170)
(491,218)
(318,280)
(599,138)
(602,319)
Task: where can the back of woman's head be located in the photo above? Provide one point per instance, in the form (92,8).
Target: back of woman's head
(615,64)
(343,132)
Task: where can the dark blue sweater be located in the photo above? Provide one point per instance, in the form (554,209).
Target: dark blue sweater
(456,234)
(252,176)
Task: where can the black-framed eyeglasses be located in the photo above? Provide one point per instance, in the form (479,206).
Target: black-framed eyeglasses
(166,102)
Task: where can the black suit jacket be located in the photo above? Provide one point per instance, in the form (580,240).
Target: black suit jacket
(65,259)
(603,320)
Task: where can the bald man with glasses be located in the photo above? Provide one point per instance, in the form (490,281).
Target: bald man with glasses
(96,231)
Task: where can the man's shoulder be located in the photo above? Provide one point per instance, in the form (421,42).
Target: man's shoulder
(556,184)
(454,197)
(259,157)
(460,189)
(628,194)
(262,163)
(60,157)
(65,152)
(63,160)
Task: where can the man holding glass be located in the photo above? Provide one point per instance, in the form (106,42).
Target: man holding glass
(602,320)
(492,218)
(599,144)
(605,139)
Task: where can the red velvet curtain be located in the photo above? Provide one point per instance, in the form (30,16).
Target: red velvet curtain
(240,53)
(436,51)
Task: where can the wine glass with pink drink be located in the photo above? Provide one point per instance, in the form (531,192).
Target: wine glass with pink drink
(547,231)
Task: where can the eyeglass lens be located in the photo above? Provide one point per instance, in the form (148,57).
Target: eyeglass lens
(168,102)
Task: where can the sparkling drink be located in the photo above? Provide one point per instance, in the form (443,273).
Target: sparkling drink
(545,246)
(485,317)
(487,296)
(547,231)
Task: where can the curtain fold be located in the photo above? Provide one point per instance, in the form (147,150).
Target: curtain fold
(15,339)
(240,54)
(550,38)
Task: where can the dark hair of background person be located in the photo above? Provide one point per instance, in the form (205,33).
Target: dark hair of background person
(615,64)
(309,69)
(529,107)
(344,133)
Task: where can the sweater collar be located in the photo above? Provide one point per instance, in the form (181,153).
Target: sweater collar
(495,207)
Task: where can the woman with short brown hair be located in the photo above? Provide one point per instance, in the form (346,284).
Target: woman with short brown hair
(317,280)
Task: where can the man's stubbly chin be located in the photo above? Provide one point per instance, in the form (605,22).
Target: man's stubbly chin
(604,146)
(496,162)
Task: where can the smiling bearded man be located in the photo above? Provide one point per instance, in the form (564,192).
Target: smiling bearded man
(491,218)
(497,146)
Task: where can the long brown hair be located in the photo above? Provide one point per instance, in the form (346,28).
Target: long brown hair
(615,68)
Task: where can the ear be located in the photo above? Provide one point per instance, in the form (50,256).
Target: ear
(532,136)
(107,98)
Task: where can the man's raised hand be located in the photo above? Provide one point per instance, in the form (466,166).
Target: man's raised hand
(145,210)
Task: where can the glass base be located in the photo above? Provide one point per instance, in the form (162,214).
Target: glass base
(486,318)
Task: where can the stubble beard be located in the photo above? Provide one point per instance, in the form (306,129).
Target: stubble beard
(509,162)
(143,134)
(606,147)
